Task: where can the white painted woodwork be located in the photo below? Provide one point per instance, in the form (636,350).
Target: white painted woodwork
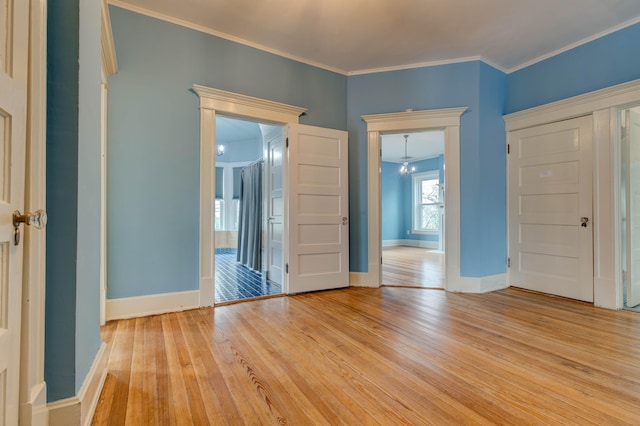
(318,209)
(633,207)
(275,219)
(33,390)
(449,120)
(232,104)
(14,50)
(550,190)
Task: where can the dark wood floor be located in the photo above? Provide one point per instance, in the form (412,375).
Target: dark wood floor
(377,356)
(412,267)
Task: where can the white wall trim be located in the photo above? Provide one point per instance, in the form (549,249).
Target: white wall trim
(141,306)
(410,243)
(213,101)
(89,392)
(449,119)
(586,104)
(487,284)
(65,412)
(34,411)
(361,279)
(428,64)
(109,61)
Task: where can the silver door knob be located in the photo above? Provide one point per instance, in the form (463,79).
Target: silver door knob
(37,219)
(584,221)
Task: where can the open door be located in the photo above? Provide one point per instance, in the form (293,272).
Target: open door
(633,208)
(318,209)
(275,205)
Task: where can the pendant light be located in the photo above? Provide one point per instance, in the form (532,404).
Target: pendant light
(405,169)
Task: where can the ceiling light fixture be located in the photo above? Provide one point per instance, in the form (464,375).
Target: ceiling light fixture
(220,150)
(405,169)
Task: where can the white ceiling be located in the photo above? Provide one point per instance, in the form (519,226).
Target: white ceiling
(420,145)
(351,36)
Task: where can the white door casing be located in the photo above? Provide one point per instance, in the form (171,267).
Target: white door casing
(550,191)
(275,205)
(14,48)
(318,219)
(633,207)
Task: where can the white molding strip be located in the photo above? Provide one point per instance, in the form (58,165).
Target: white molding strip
(410,243)
(427,64)
(141,306)
(243,105)
(65,412)
(409,119)
(574,45)
(576,106)
(203,29)
(35,412)
(109,61)
(458,284)
(89,392)
(361,279)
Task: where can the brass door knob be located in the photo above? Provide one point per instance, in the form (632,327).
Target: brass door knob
(37,219)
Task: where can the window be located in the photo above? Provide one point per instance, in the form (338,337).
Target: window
(227,203)
(219,214)
(427,202)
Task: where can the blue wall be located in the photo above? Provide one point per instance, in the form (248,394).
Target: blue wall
(444,86)
(153,140)
(393,201)
(72,331)
(604,62)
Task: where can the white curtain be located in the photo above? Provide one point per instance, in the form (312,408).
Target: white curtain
(250,217)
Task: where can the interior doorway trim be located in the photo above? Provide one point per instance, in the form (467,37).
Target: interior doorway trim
(448,120)
(213,101)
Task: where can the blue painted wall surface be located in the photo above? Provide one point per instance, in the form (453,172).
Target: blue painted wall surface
(153,140)
(604,62)
(72,332)
(443,86)
(240,151)
(393,201)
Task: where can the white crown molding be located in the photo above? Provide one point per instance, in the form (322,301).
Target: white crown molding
(574,45)
(414,119)
(109,61)
(243,105)
(614,96)
(427,64)
(220,34)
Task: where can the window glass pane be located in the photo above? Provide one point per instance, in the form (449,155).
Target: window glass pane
(429,219)
(218,214)
(236,214)
(429,191)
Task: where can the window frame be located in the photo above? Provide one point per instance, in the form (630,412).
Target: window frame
(416,184)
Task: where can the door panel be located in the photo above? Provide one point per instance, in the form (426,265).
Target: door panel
(550,190)
(318,209)
(275,207)
(633,209)
(14,25)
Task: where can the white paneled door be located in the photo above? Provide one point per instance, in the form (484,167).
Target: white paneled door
(14,25)
(633,208)
(318,209)
(275,208)
(550,208)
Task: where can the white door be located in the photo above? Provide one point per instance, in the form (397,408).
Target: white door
(318,209)
(275,207)
(550,211)
(14,25)
(633,208)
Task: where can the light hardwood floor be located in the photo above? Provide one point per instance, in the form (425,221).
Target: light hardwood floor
(377,356)
(412,267)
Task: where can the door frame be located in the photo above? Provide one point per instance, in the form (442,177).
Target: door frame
(449,121)
(234,105)
(604,105)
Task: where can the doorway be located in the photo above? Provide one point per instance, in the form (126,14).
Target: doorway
(412,208)
(246,187)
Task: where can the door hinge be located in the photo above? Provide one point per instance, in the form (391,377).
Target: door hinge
(381,260)
(380,152)
(287,142)
(508,148)
(286,268)
(508,262)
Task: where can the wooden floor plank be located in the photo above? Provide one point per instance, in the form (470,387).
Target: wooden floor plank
(377,356)
(412,267)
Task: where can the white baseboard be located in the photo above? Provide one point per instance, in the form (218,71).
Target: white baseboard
(78,410)
(35,412)
(142,306)
(362,279)
(91,388)
(458,284)
(411,243)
